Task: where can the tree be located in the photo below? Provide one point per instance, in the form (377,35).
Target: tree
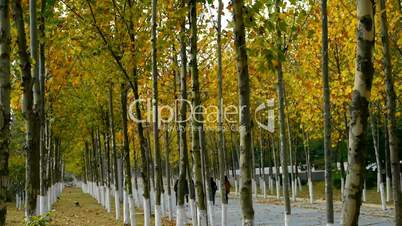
(359,113)
(37,100)
(327,117)
(25,65)
(281,95)
(246,201)
(220,118)
(157,161)
(43,208)
(197,119)
(114,153)
(126,156)
(5,86)
(391,108)
(376,140)
(180,216)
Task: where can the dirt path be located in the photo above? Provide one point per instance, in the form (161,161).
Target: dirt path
(66,212)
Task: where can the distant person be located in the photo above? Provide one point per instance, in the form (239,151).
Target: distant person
(192,190)
(214,188)
(186,190)
(175,189)
(227,187)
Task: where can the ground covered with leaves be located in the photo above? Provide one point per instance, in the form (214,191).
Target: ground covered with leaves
(67,212)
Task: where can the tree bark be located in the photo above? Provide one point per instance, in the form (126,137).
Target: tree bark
(25,65)
(327,117)
(126,155)
(36,108)
(391,108)
(359,113)
(246,201)
(375,136)
(5,86)
(197,118)
(220,115)
(114,152)
(182,126)
(281,95)
(143,148)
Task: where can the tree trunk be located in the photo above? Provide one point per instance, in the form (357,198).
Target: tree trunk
(375,136)
(180,216)
(126,156)
(197,119)
(168,174)
(391,108)
(262,167)
(114,153)
(277,179)
(283,148)
(387,163)
(220,120)
(327,117)
(34,47)
(308,163)
(246,201)
(25,65)
(292,177)
(359,113)
(143,148)
(5,86)
(157,161)
(108,167)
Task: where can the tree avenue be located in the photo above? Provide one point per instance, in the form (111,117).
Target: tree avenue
(200,112)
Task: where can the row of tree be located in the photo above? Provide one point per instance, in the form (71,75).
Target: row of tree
(96,45)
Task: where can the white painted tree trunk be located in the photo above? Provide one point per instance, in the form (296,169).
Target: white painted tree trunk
(102,196)
(287,219)
(271,185)
(202,217)
(278,189)
(311,191)
(224,218)
(292,183)
(236,187)
(170,207)
(42,204)
(389,192)
(193,210)
(107,200)
(342,187)
(378,181)
(264,187)
(254,188)
(147,210)
(211,211)
(180,216)
(382,195)
(126,212)
(117,203)
(163,201)
(131,207)
(158,215)
(17,201)
(135,197)
(49,199)
(364,192)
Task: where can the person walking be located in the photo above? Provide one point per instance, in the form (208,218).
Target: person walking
(214,188)
(227,187)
